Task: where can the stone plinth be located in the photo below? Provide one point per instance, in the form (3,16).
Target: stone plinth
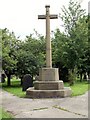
(48,85)
(48,74)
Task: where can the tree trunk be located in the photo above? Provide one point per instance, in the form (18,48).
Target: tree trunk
(80,77)
(85,77)
(9,80)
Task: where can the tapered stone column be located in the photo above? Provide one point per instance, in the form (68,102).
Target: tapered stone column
(48,41)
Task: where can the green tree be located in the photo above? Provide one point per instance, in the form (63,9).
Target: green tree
(71,46)
(30,56)
(60,59)
(9,52)
(71,15)
(81,45)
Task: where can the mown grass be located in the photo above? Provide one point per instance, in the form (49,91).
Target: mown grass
(15,88)
(78,88)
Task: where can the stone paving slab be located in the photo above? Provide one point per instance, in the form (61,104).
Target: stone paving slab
(76,107)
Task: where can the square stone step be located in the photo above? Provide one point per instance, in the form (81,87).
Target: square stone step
(32,93)
(48,85)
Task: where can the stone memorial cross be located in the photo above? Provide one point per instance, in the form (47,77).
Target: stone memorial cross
(48,85)
(48,41)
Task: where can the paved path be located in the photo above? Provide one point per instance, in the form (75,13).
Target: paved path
(76,107)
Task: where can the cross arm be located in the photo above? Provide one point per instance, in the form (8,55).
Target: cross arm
(44,16)
(53,16)
(41,16)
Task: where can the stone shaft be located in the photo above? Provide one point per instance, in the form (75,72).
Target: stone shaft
(48,41)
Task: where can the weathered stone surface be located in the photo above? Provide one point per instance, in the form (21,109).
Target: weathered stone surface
(48,85)
(37,78)
(46,74)
(32,93)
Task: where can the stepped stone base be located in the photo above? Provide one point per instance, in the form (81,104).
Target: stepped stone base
(32,93)
(48,85)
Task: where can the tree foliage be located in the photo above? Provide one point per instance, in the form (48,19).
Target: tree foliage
(71,46)
(21,57)
(9,52)
(30,56)
(71,15)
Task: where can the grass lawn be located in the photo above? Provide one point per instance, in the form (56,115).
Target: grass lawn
(5,114)
(15,88)
(78,88)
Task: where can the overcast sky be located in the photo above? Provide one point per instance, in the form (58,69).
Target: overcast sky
(21,16)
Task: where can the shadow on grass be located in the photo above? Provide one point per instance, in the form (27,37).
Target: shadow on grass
(11,86)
